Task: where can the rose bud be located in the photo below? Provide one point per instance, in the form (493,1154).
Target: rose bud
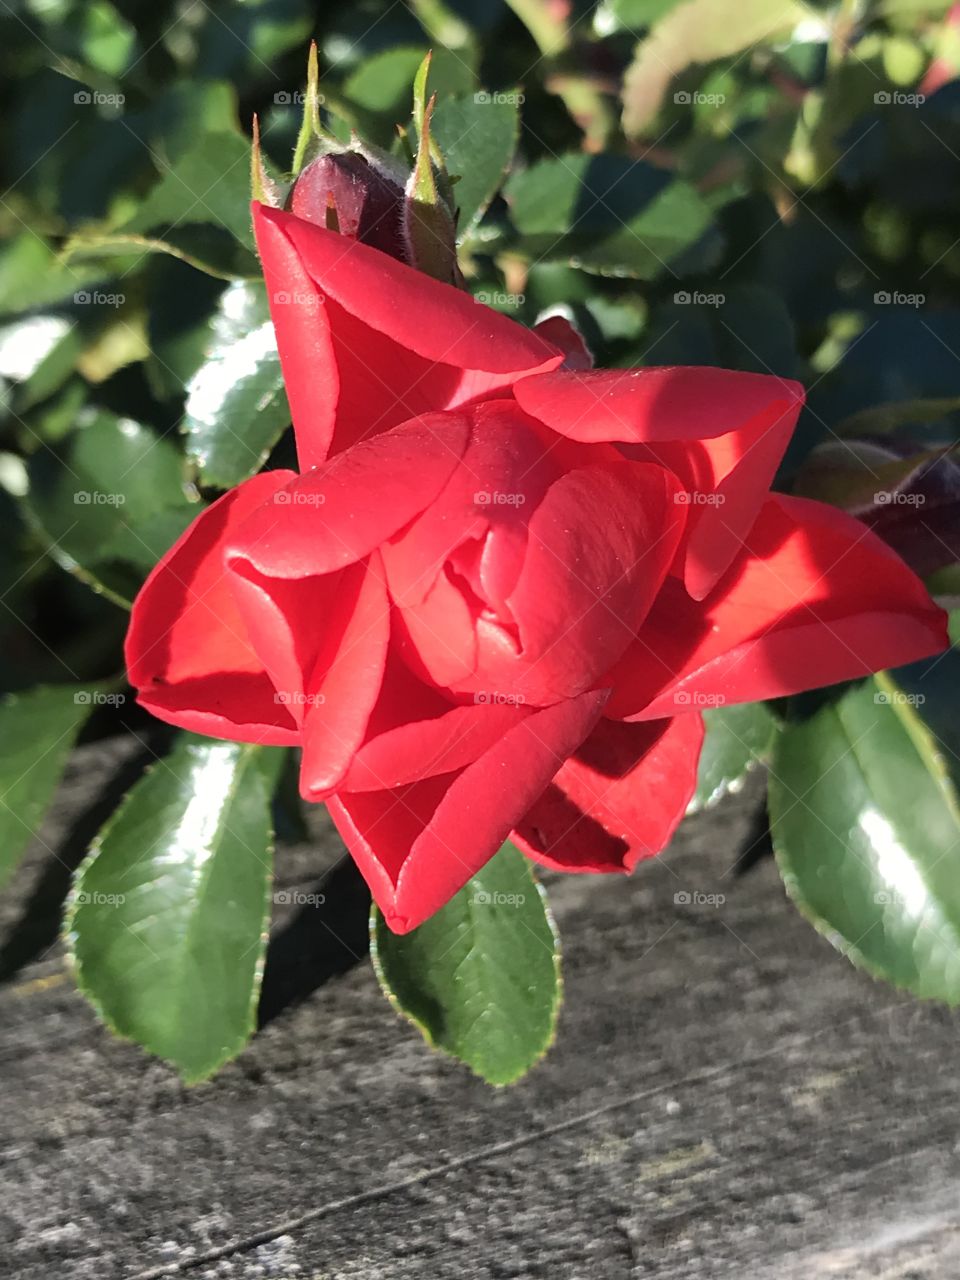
(349,193)
(907,493)
(365,194)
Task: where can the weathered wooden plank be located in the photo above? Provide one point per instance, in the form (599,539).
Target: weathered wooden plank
(727,1097)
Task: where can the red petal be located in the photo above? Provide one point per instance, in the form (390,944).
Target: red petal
(417,845)
(187,650)
(338,513)
(639,406)
(402,343)
(302,326)
(501,478)
(599,546)
(618,799)
(437,637)
(558,330)
(418,734)
(727,481)
(722,432)
(346,680)
(814,598)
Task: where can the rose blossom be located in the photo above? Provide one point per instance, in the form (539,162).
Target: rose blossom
(503,586)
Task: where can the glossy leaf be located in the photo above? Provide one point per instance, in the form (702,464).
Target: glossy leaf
(37,733)
(208,183)
(738,738)
(606,214)
(169,915)
(866,829)
(236,405)
(38,354)
(32,275)
(477,135)
(206,247)
(101,504)
(481,978)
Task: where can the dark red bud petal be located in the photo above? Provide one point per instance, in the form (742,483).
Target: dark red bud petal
(344,192)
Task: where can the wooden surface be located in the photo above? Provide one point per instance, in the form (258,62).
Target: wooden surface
(727,1097)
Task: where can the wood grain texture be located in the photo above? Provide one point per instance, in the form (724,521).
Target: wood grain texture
(727,1097)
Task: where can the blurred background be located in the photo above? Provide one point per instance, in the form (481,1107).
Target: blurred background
(755,183)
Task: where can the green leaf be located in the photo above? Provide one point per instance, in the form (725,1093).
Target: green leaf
(632,15)
(37,733)
(477,135)
(884,418)
(97,502)
(208,248)
(168,920)
(866,829)
(698,31)
(38,354)
(236,405)
(738,738)
(31,275)
(605,213)
(382,83)
(106,41)
(481,978)
(208,183)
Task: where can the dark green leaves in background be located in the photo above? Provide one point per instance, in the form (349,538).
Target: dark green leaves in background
(481,978)
(37,733)
(109,501)
(606,214)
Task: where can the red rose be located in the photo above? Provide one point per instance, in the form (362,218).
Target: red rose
(500,591)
